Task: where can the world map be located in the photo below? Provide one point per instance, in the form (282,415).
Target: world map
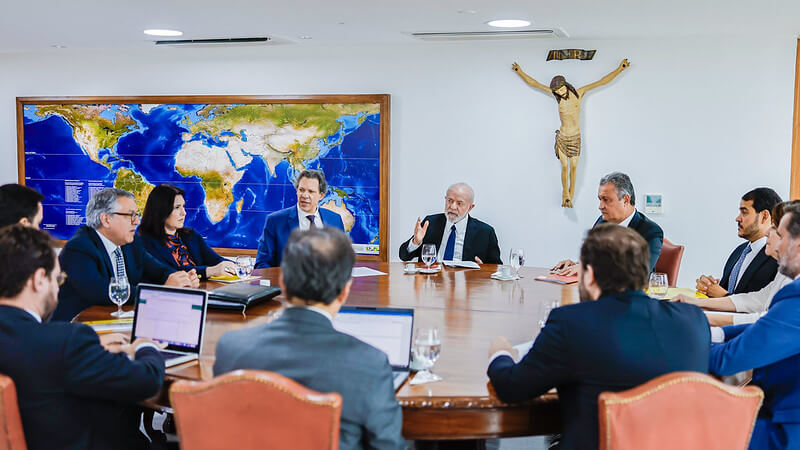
(236,162)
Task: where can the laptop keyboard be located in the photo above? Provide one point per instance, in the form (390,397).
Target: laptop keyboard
(167,355)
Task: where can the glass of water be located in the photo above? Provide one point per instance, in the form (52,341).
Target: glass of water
(244,266)
(427,347)
(118,291)
(428,254)
(658,285)
(517,260)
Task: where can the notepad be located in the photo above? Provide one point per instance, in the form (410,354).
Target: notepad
(464,264)
(675,291)
(232,278)
(559,279)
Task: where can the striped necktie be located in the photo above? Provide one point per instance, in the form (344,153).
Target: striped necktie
(732,281)
(119,263)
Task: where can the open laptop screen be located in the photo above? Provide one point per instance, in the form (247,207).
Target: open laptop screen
(387,329)
(170,315)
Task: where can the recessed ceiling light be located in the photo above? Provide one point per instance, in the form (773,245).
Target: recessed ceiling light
(508,23)
(156,32)
(58,46)
(466,11)
(305,37)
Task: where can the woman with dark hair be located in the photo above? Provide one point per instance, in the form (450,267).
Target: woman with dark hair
(165,237)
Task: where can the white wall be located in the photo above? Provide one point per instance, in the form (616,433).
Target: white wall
(699,120)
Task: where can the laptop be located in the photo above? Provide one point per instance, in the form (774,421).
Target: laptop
(176,316)
(387,329)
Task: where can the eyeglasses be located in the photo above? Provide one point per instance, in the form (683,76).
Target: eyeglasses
(61,278)
(135,217)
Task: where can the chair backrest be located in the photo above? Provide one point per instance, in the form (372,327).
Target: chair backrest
(251,409)
(686,410)
(669,262)
(12,436)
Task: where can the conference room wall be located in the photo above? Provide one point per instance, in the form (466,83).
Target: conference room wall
(699,120)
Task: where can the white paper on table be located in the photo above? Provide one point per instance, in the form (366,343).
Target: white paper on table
(366,272)
(522,350)
(466,264)
(725,313)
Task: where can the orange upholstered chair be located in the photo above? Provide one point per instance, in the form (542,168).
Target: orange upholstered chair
(669,262)
(685,410)
(11,434)
(251,409)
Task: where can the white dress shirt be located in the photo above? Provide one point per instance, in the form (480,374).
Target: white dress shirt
(755,247)
(110,248)
(718,335)
(458,250)
(34,314)
(627,220)
(757,302)
(305,224)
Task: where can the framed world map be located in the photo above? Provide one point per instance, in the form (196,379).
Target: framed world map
(237,158)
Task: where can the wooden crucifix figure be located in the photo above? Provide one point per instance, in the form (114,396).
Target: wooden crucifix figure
(568,137)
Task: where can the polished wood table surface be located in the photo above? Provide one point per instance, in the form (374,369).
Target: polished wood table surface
(468,307)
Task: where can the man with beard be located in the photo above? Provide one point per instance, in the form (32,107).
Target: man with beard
(614,339)
(73,389)
(748,268)
(568,136)
(456,235)
(771,348)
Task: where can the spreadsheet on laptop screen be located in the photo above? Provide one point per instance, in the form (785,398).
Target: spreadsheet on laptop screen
(388,331)
(170,316)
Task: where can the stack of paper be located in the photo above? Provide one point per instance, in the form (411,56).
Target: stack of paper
(111,326)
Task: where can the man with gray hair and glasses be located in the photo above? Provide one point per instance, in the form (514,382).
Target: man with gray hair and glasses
(617,205)
(107,247)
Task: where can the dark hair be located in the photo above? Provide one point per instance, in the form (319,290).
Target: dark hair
(557,82)
(317,263)
(16,202)
(159,206)
(23,251)
(619,257)
(314,175)
(793,225)
(763,198)
(780,209)
(622,184)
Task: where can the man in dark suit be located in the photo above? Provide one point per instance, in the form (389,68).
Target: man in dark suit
(74,391)
(456,235)
(748,268)
(615,339)
(311,189)
(618,206)
(303,345)
(107,247)
(771,348)
(20,204)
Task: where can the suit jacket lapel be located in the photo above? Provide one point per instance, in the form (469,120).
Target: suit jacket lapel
(291,222)
(95,238)
(435,231)
(754,265)
(635,221)
(469,239)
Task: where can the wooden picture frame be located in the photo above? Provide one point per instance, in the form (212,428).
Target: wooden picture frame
(382,100)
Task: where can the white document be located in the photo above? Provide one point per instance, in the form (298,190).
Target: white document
(466,264)
(725,313)
(366,272)
(522,350)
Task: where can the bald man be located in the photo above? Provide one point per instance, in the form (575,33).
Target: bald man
(456,235)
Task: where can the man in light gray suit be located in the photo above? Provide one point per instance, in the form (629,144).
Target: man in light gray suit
(303,345)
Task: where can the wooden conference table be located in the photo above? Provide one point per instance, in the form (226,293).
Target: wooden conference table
(468,307)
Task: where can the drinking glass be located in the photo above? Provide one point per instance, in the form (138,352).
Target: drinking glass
(428,254)
(658,285)
(118,291)
(427,347)
(244,266)
(517,260)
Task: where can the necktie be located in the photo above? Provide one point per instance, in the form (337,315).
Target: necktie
(736,268)
(119,263)
(451,245)
(310,218)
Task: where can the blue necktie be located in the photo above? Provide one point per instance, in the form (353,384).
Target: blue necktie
(736,269)
(451,245)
